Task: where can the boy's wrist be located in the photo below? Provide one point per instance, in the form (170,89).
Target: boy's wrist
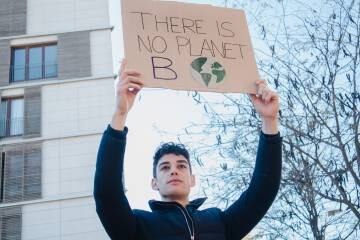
(118,121)
(270,126)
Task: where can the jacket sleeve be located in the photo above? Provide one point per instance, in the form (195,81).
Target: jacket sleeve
(112,205)
(248,210)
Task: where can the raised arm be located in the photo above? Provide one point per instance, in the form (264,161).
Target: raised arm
(111,203)
(247,211)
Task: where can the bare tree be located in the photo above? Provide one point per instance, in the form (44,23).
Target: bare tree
(310,52)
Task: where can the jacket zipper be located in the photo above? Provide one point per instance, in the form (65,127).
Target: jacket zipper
(192,233)
(182,209)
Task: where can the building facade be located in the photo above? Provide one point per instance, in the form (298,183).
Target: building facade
(56,90)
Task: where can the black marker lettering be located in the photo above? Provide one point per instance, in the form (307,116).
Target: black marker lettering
(226,50)
(217,26)
(187,42)
(162,22)
(213,46)
(186,26)
(156,47)
(156,61)
(240,48)
(142,18)
(208,48)
(232,34)
(172,24)
(147,47)
(198,27)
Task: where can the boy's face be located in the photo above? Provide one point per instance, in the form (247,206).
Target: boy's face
(173,178)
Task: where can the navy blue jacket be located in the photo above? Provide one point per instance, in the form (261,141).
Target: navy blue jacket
(170,220)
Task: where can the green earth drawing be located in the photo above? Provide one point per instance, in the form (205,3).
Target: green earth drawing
(208,71)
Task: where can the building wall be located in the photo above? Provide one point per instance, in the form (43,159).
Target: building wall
(72,109)
(74,115)
(77,108)
(71,219)
(100,55)
(13,17)
(45,17)
(68,165)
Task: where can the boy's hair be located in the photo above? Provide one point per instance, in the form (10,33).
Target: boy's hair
(170,148)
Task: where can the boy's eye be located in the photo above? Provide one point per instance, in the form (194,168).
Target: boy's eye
(164,167)
(182,166)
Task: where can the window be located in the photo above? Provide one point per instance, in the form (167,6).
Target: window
(12,117)
(2,176)
(13,177)
(10,223)
(21,173)
(35,62)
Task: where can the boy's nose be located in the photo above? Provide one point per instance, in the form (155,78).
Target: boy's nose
(174,171)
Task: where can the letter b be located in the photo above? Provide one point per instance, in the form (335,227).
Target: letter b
(161,68)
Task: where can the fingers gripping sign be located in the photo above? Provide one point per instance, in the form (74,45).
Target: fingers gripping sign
(129,84)
(266,104)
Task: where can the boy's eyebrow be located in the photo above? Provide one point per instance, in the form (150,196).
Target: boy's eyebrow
(178,161)
(182,161)
(163,163)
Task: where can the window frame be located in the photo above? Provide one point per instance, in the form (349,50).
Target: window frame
(8,115)
(2,177)
(27,60)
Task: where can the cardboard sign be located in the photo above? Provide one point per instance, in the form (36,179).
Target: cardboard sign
(189,46)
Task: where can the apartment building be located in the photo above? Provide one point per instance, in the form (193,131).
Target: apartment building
(56,90)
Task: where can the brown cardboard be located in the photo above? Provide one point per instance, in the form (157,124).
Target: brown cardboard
(199,42)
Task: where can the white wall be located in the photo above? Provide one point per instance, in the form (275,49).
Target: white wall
(44,16)
(77,108)
(68,161)
(101,56)
(62,220)
(68,166)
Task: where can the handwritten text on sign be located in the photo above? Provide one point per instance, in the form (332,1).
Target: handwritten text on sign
(196,47)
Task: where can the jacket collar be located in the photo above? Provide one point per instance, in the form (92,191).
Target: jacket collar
(159,205)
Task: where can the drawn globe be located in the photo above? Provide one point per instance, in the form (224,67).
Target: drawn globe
(208,72)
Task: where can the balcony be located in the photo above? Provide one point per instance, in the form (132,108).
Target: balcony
(11,127)
(32,72)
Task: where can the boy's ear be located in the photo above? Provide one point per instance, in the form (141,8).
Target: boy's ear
(154,185)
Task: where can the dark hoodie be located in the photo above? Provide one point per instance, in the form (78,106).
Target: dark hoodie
(172,221)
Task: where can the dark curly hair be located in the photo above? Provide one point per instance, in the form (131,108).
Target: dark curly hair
(170,148)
